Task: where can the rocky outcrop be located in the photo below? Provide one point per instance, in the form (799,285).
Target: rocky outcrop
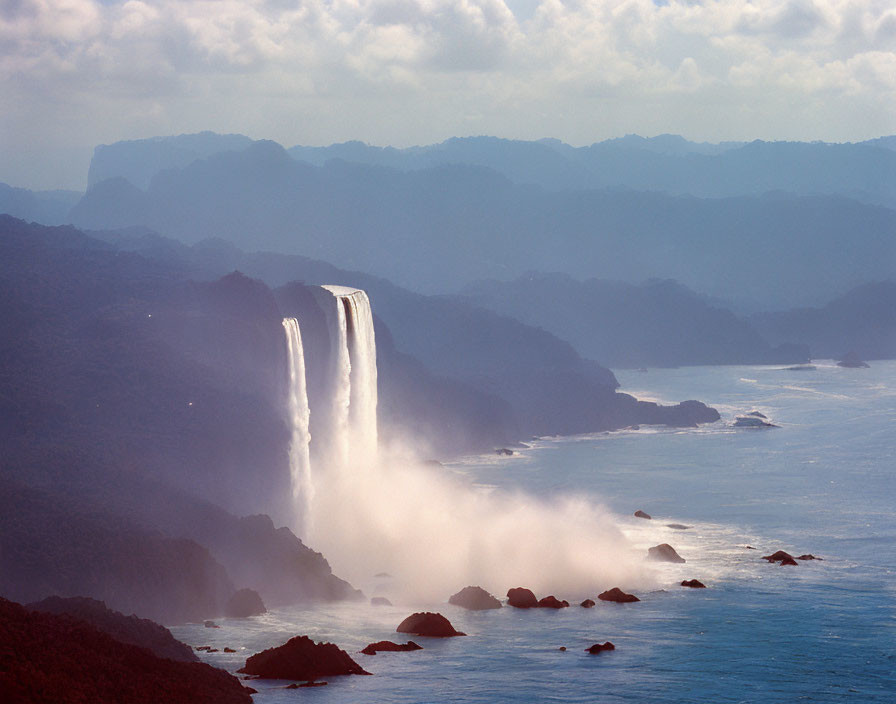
(687,414)
(428,624)
(600,648)
(779,556)
(664,553)
(617,595)
(808,557)
(474,599)
(693,584)
(521,598)
(851,360)
(387,646)
(49,546)
(243,604)
(300,658)
(127,629)
(552,602)
(61,659)
(640,514)
(587,604)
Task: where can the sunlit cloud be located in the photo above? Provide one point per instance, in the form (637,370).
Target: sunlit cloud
(418,71)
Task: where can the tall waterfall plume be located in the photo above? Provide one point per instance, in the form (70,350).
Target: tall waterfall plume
(299,417)
(377,512)
(355,397)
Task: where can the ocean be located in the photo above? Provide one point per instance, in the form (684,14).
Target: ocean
(823,482)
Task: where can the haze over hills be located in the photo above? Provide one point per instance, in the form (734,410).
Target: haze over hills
(144,401)
(654,324)
(440,228)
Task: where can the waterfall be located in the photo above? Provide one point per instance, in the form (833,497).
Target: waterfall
(355,393)
(299,416)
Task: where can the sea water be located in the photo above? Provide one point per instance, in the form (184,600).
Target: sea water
(823,482)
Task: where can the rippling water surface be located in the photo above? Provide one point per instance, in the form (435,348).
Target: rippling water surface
(824,482)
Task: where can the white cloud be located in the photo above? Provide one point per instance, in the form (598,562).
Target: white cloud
(414,71)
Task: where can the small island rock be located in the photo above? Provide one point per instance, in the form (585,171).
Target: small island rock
(300,658)
(243,604)
(474,599)
(693,584)
(778,556)
(600,648)
(552,602)
(587,604)
(428,624)
(387,646)
(664,553)
(521,598)
(641,514)
(808,557)
(617,595)
(852,361)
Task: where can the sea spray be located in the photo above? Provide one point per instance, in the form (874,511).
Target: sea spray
(435,532)
(299,416)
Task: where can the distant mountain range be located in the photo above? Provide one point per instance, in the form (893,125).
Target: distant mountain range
(440,228)
(668,163)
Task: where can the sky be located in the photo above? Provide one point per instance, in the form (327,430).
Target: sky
(77,73)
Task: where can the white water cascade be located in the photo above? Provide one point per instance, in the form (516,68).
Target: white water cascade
(299,417)
(355,397)
(374,513)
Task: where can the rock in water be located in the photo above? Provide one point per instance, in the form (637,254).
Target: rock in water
(600,648)
(552,602)
(521,598)
(617,595)
(664,553)
(779,556)
(808,557)
(852,361)
(244,603)
(428,624)
(387,646)
(587,604)
(475,599)
(300,658)
(693,584)
(788,561)
(640,514)
(296,685)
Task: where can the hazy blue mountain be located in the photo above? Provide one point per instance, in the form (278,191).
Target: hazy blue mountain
(139,160)
(888,142)
(657,323)
(441,228)
(45,207)
(862,321)
(666,163)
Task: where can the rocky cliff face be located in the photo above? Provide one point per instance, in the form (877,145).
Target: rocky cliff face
(57,659)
